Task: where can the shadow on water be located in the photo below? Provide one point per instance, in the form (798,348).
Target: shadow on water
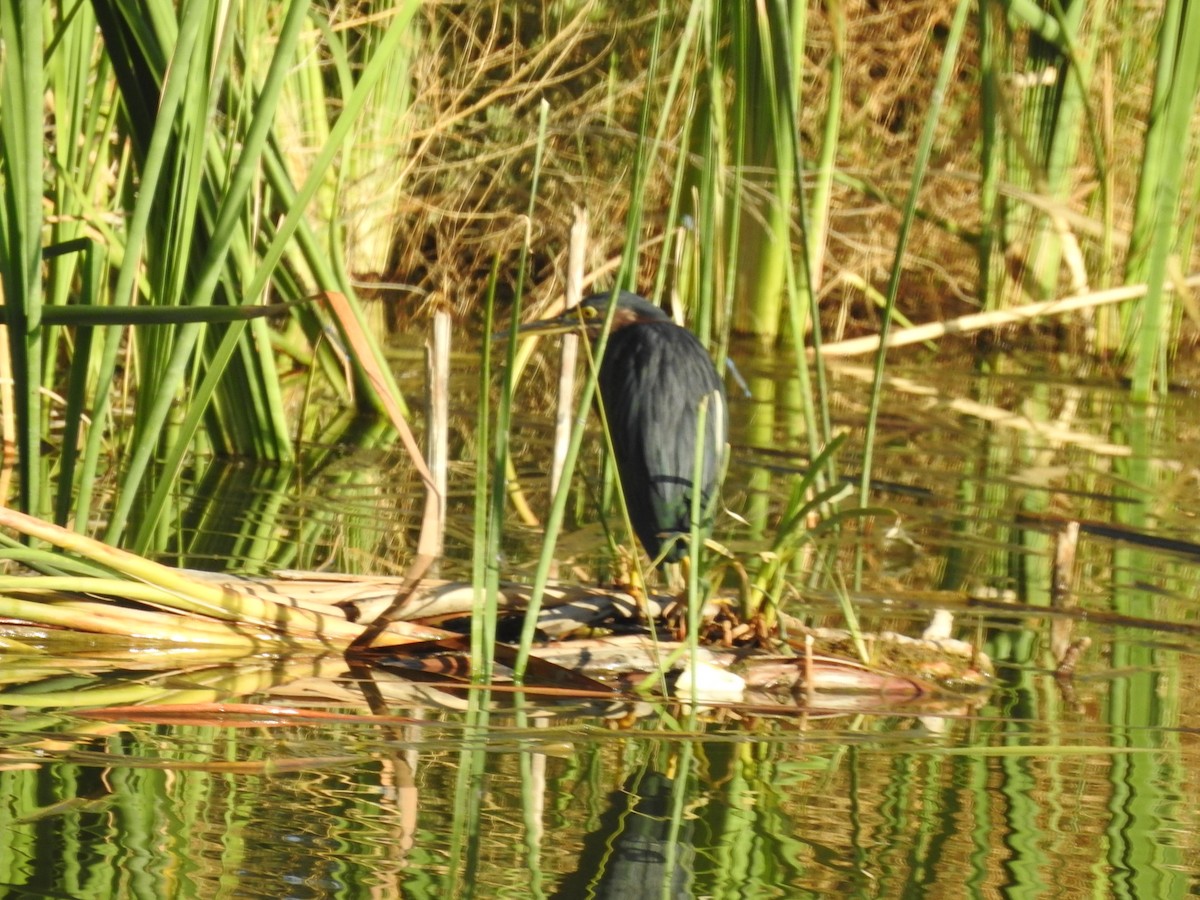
(276,778)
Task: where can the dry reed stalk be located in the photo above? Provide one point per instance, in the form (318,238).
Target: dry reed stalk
(997,318)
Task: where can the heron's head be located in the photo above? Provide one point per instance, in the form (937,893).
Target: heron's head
(592,313)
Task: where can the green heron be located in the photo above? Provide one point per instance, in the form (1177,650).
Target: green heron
(653,379)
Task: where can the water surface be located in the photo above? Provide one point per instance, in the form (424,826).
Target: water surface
(1048,786)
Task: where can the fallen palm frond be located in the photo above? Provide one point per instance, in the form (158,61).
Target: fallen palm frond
(172,604)
(89,588)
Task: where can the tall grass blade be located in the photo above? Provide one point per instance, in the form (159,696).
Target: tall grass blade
(1165,171)
(503,421)
(21,219)
(489,505)
(924,148)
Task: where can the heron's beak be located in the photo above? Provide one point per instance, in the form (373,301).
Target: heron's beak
(567,322)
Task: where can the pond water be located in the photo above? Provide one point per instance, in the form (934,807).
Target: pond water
(316,780)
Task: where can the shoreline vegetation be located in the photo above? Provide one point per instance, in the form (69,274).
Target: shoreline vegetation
(214,215)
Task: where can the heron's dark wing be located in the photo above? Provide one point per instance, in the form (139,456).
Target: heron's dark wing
(653,380)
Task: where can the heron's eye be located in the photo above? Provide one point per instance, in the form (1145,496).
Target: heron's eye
(590,312)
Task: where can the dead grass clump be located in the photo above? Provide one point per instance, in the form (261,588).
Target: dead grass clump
(467,144)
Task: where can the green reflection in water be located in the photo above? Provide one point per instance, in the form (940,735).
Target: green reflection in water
(481,804)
